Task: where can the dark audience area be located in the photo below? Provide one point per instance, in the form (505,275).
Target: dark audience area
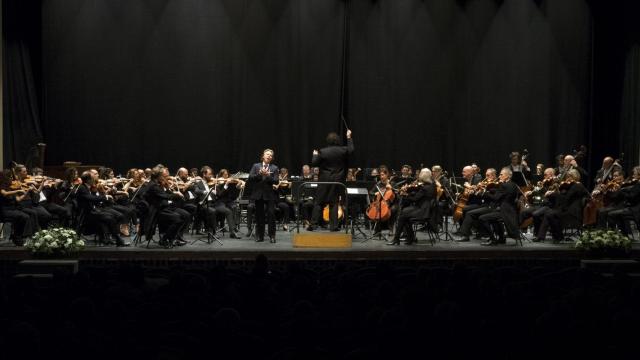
(307,310)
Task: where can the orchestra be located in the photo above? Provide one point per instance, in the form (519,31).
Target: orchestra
(512,204)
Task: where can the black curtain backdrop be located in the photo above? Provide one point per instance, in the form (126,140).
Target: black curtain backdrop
(21,104)
(134,83)
(453,82)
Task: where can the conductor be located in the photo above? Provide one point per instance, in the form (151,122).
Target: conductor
(332,161)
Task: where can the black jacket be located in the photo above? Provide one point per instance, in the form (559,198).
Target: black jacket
(421,198)
(570,200)
(88,201)
(262,186)
(504,198)
(332,161)
(632,197)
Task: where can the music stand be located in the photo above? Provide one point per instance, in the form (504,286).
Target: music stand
(353,222)
(210,236)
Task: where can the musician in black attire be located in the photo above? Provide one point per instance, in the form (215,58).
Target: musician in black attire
(538,203)
(567,205)
(521,173)
(612,200)
(170,218)
(570,163)
(416,204)
(406,177)
(31,203)
(227,193)
(263,176)
(284,204)
(21,223)
(502,203)
(605,173)
(382,187)
(332,163)
(205,191)
(477,206)
(631,192)
(91,206)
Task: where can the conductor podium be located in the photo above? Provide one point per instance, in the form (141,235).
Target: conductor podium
(322,240)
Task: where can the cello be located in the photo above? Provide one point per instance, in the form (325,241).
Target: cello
(379,209)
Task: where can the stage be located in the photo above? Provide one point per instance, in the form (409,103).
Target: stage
(373,250)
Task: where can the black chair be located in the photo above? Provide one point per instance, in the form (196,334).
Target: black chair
(572,227)
(85,227)
(429,222)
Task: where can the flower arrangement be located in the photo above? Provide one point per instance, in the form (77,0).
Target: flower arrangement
(611,241)
(55,241)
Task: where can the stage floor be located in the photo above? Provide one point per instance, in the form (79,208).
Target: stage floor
(362,249)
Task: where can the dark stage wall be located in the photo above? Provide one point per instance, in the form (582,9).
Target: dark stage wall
(133,83)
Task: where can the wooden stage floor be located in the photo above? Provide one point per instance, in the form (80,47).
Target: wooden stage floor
(246,249)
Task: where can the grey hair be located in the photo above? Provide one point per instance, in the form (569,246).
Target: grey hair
(425,176)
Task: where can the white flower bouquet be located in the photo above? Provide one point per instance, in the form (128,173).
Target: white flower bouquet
(55,241)
(604,241)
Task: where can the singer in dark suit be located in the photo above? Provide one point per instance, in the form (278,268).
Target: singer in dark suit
(263,176)
(332,161)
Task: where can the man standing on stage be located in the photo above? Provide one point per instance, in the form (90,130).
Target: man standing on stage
(264,175)
(332,161)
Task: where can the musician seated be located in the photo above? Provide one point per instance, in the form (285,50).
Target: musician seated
(406,177)
(567,206)
(606,172)
(227,192)
(613,198)
(170,218)
(11,193)
(205,191)
(91,204)
(569,162)
(630,190)
(502,205)
(31,203)
(478,204)
(416,199)
(384,191)
(538,203)
(284,204)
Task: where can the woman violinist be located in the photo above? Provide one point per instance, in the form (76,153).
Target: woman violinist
(417,198)
(382,210)
(11,193)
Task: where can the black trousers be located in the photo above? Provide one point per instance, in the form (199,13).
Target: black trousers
(285,209)
(490,223)
(603,216)
(172,220)
(471,217)
(62,212)
(265,209)
(622,218)
(208,214)
(404,222)
(106,221)
(21,222)
(40,216)
(228,213)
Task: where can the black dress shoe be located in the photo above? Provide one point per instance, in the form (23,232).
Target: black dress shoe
(394,242)
(179,242)
(164,243)
(234,236)
(122,244)
(410,241)
(272,239)
(464,239)
(260,239)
